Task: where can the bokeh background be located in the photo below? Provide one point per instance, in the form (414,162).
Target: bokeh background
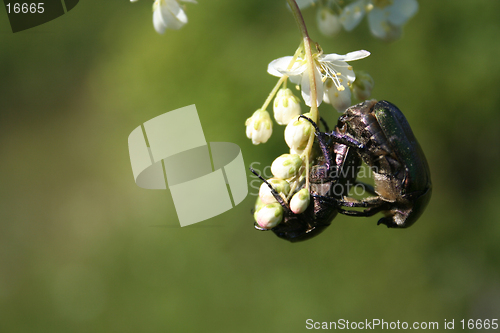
(83,249)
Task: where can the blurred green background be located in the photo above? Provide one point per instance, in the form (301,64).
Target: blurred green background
(83,249)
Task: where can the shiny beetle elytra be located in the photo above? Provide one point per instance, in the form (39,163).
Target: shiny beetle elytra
(402,177)
(330,176)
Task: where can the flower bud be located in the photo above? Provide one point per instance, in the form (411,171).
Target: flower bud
(259,127)
(168,15)
(258,204)
(286,106)
(286,166)
(300,201)
(269,216)
(328,23)
(296,151)
(297,133)
(340,99)
(279,185)
(363,85)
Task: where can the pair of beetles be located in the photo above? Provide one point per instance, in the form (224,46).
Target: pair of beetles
(378,134)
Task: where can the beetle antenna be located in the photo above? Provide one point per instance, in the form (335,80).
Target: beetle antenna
(273,191)
(322,142)
(325,125)
(312,123)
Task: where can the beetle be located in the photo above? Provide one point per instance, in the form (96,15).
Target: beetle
(401,173)
(330,176)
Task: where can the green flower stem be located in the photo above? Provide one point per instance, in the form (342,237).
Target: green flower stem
(312,80)
(310,62)
(282,80)
(273,92)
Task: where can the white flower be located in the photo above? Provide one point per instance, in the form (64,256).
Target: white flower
(353,13)
(362,86)
(286,166)
(339,99)
(330,66)
(297,133)
(279,185)
(259,127)
(286,106)
(328,22)
(300,201)
(168,14)
(385,17)
(269,216)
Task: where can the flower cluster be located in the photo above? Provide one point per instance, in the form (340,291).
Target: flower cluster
(289,173)
(334,76)
(168,14)
(334,80)
(385,17)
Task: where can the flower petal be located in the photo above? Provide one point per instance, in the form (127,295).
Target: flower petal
(328,23)
(352,14)
(158,21)
(377,20)
(279,67)
(355,55)
(381,28)
(172,14)
(346,71)
(401,11)
(340,100)
(306,88)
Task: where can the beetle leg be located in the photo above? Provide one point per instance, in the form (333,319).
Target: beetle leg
(274,193)
(325,125)
(368,188)
(258,227)
(340,138)
(347,203)
(414,195)
(322,143)
(388,222)
(358,203)
(375,203)
(325,198)
(346,140)
(366,213)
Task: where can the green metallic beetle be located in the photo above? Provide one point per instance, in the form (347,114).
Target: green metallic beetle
(402,177)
